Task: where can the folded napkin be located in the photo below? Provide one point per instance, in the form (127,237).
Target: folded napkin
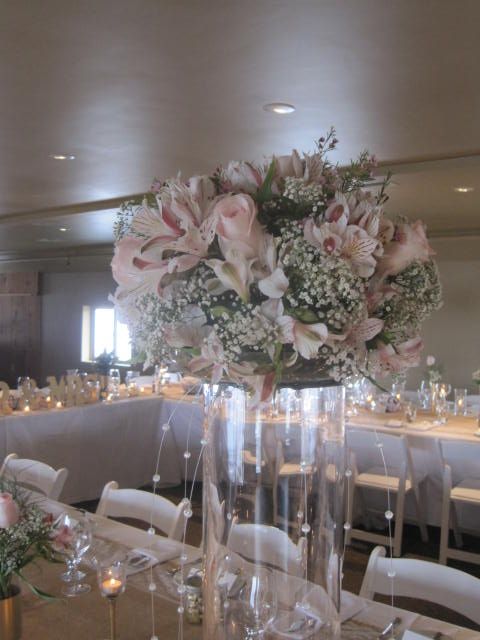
(140,559)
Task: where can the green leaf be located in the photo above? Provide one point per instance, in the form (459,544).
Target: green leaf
(38,592)
(265,191)
(304,314)
(219,310)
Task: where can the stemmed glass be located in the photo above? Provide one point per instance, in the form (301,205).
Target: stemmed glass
(111,582)
(73,538)
(256,605)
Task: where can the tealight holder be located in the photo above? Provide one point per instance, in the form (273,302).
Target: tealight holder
(112,580)
(460,406)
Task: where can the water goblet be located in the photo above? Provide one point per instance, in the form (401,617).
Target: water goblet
(73,538)
(256,604)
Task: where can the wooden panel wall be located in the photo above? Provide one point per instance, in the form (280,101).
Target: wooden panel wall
(20,324)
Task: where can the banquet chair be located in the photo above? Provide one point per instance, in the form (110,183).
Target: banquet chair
(143,505)
(368,472)
(34,474)
(268,545)
(461,485)
(423,580)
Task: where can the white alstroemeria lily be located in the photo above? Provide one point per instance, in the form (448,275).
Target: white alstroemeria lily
(274,285)
(306,338)
(235,272)
(357,248)
(191,331)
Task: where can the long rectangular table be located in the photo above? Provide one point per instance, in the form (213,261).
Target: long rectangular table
(109,441)
(87,616)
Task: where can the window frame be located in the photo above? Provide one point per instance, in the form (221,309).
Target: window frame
(88,334)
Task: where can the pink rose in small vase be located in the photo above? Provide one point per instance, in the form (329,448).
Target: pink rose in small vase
(9,511)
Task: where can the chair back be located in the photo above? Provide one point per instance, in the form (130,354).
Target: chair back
(142,505)
(36,475)
(267,545)
(448,587)
(363,444)
(462,458)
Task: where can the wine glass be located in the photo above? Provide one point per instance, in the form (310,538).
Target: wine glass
(114,383)
(22,383)
(256,605)
(73,537)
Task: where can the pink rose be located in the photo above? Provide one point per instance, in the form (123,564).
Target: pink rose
(238,227)
(9,512)
(408,245)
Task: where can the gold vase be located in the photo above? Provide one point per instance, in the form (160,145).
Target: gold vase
(11,616)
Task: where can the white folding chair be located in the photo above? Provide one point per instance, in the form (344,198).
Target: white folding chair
(144,506)
(34,474)
(461,484)
(368,472)
(423,580)
(268,545)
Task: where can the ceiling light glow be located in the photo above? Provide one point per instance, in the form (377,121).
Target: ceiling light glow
(61,156)
(63,229)
(463,189)
(281,108)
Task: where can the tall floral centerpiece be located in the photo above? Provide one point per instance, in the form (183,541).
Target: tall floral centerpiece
(274,276)
(258,271)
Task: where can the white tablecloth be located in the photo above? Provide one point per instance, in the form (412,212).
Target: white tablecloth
(102,442)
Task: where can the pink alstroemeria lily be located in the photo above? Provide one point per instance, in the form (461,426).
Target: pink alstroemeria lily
(403,356)
(365,330)
(357,248)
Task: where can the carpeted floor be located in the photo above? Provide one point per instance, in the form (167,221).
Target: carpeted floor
(356,557)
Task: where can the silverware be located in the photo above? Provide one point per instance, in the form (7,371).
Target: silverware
(389,630)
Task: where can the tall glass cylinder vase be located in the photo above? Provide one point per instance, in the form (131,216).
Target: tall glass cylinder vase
(274,513)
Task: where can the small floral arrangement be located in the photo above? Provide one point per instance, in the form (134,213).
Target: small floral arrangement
(285,268)
(476,376)
(433,371)
(25,534)
(104,362)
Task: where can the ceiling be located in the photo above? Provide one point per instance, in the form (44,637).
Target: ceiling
(141,89)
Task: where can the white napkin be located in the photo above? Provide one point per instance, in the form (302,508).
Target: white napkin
(140,559)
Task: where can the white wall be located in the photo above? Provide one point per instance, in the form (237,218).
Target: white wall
(452,334)
(63,295)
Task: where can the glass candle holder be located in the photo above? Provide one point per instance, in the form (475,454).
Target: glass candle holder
(410,412)
(460,406)
(112,580)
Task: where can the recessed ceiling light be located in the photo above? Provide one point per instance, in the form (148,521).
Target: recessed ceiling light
(61,156)
(463,189)
(281,108)
(62,229)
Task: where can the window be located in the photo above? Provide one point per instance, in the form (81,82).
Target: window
(103,331)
